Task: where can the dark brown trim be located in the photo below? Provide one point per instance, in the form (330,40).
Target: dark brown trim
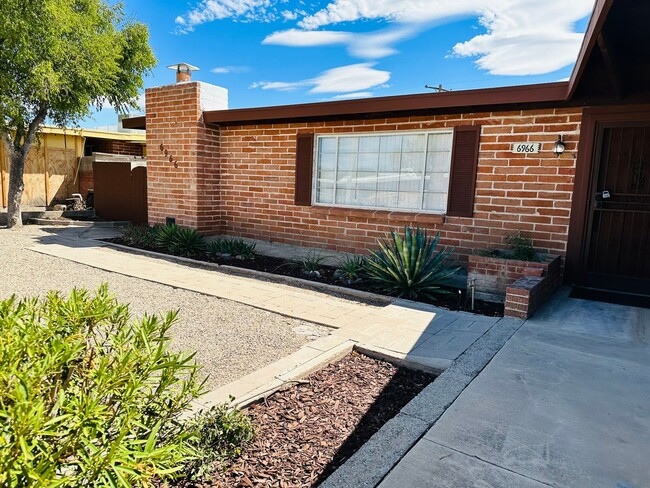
(463,171)
(304,168)
(139,122)
(596,22)
(483,99)
(592,120)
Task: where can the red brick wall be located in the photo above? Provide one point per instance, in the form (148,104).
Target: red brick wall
(115,147)
(239,180)
(531,193)
(189,192)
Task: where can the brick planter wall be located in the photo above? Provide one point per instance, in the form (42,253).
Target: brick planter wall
(522,285)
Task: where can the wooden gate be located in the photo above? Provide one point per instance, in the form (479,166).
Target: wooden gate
(617,251)
(120,192)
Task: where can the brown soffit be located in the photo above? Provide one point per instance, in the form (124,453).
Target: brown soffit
(484,99)
(596,22)
(135,122)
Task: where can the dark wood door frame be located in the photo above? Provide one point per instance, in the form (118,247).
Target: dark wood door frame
(593,118)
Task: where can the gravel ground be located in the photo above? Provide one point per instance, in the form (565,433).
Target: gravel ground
(231,339)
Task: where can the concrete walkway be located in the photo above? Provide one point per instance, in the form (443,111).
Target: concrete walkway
(428,337)
(565,403)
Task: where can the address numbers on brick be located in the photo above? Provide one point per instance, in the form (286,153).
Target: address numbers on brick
(168,155)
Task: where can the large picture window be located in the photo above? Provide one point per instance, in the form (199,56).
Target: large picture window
(408,171)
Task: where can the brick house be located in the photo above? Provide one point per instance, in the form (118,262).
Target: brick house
(338,175)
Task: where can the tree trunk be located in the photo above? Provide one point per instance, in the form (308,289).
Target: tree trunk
(16,187)
(18,150)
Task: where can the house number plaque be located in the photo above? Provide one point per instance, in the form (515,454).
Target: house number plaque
(526,147)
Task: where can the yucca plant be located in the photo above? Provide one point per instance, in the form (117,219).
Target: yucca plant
(182,241)
(235,247)
(165,235)
(409,266)
(187,242)
(351,269)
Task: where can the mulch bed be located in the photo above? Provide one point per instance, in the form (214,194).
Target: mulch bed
(454,299)
(304,433)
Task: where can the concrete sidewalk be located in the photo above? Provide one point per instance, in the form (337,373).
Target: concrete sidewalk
(565,403)
(424,336)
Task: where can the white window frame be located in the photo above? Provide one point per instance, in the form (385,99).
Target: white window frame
(314,190)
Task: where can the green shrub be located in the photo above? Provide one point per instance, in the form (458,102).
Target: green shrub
(221,433)
(235,247)
(88,396)
(521,247)
(139,236)
(310,264)
(182,241)
(409,267)
(351,269)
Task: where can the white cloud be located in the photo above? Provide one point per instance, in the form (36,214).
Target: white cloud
(365,46)
(302,38)
(344,79)
(227,70)
(523,37)
(353,95)
(210,10)
(289,15)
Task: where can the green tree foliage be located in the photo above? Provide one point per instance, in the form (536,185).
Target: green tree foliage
(58,59)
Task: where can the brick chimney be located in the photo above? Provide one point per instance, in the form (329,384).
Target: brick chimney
(183,71)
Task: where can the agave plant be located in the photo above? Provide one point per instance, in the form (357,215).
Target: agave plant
(409,267)
(165,235)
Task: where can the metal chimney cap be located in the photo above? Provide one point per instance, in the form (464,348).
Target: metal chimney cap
(183,68)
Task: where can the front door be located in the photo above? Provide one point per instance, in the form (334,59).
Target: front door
(618,233)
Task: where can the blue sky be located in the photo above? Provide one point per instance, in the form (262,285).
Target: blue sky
(276,52)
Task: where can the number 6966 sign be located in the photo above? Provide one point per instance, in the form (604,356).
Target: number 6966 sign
(526,147)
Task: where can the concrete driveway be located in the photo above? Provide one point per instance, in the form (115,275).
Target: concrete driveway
(565,403)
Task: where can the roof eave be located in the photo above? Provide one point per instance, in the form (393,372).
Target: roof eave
(481,98)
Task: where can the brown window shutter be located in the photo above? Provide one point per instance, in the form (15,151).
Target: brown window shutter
(304,168)
(464,162)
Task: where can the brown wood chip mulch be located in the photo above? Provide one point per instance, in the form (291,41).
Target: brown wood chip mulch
(304,433)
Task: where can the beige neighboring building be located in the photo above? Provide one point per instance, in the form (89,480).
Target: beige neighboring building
(54,169)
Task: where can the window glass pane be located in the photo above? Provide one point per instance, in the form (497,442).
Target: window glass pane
(325,195)
(326,177)
(391,144)
(388,181)
(412,162)
(367,181)
(327,145)
(409,200)
(327,161)
(387,199)
(348,145)
(345,196)
(367,198)
(435,201)
(368,161)
(389,161)
(348,162)
(438,161)
(410,182)
(346,179)
(414,143)
(369,144)
(436,182)
(440,141)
